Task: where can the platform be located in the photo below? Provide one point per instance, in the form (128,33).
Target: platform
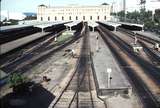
(102,60)
(6,47)
(150,35)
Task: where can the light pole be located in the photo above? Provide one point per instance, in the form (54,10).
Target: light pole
(97,44)
(109,70)
(135,38)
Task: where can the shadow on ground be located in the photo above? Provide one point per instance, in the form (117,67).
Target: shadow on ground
(38,98)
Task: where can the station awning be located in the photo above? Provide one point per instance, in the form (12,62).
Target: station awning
(92,24)
(72,23)
(42,26)
(131,24)
(114,24)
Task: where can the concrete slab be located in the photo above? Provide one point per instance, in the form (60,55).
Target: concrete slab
(102,60)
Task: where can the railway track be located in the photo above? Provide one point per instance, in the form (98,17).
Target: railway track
(30,48)
(34,55)
(147,44)
(79,85)
(150,69)
(119,49)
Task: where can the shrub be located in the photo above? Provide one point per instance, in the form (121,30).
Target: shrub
(16,79)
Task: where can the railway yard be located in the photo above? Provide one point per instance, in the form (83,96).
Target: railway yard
(80,65)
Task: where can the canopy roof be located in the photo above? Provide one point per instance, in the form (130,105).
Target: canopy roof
(92,24)
(114,24)
(39,24)
(3,28)
(131,24)
(72,23)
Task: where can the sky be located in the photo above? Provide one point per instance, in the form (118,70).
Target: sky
(31,5)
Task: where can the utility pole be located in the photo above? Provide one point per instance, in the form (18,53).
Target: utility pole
(49,5)
(124,9)
(113,10)
(7,15)
(153,10)
(142,3)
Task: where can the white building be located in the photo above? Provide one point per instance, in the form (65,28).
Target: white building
(72,13)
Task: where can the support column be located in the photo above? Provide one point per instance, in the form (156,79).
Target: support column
(42,30)
(135,39)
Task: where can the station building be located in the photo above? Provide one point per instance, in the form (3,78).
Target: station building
(74,12)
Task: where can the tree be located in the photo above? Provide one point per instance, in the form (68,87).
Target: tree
(121,15)
(157,16)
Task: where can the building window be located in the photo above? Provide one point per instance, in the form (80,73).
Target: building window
(83,17)
(41,18)
(48,18)
(55,18)
(90,17)
(62,18)
(105,18)
(97,17)
(70,18)
(76,18)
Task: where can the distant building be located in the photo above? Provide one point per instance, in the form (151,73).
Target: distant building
(72,13)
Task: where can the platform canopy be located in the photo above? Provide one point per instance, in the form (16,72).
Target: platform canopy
(92,24)
(114,24)
(48,24)
(4,28)
(71,24)
(131,24)
(42,26)
(34,23)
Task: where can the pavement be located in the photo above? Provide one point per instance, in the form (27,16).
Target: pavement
(103,60)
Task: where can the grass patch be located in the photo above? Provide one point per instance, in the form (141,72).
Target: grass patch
(61,39)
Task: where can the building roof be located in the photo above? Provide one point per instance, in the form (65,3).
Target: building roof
(78,6)
(105,4)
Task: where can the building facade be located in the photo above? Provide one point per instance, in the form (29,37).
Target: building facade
(73,13)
